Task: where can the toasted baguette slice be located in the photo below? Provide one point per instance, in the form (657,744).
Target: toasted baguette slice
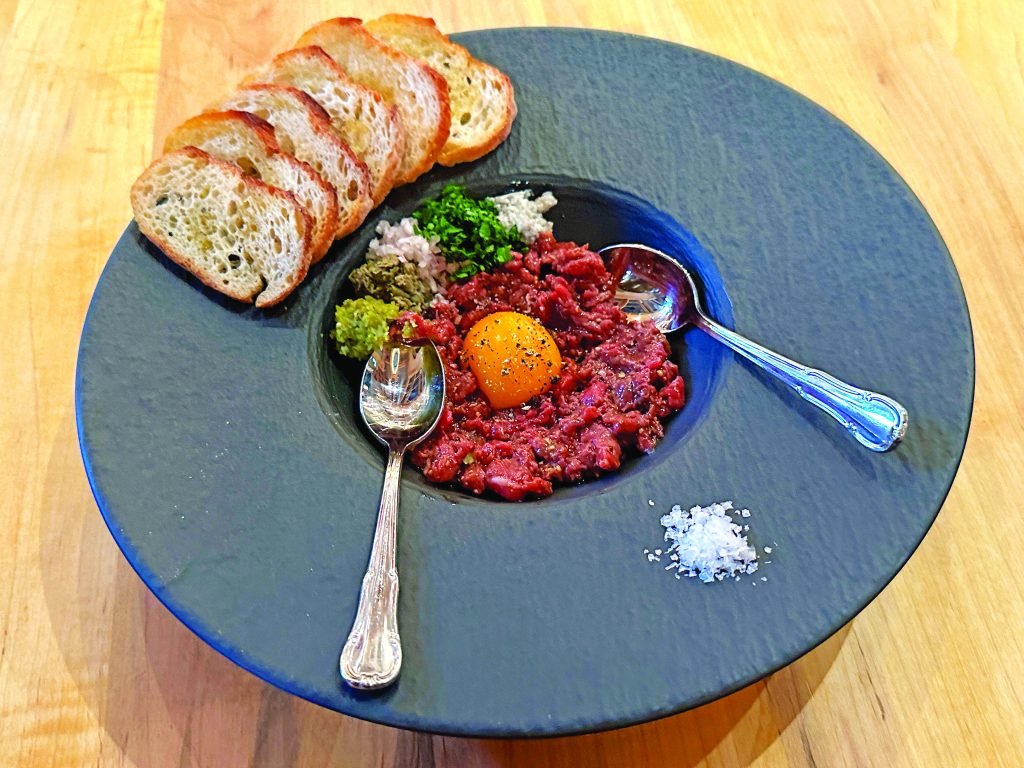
(304,130)
(248,142)
(483,105)
(420,94)
(238,235)
(360,116)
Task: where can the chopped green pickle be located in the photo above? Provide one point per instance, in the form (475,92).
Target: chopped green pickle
(392,280)
(361,325)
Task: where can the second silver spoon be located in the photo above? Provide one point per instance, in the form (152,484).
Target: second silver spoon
(654,286)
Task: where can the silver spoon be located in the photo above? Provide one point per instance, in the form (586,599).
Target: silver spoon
(652,285)
(400,399)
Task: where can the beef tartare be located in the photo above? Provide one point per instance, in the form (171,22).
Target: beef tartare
(606,396)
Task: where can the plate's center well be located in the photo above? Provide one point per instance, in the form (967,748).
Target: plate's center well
(587,213)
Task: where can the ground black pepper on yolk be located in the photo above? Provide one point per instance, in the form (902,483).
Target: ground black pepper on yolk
(513,357)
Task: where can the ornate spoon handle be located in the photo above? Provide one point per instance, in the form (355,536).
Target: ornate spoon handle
(876,421)
(372,655)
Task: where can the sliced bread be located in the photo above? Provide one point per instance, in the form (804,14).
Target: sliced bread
(248,142)
(360,116)
(483,105)
(419,93)
(240,236)
(304,130)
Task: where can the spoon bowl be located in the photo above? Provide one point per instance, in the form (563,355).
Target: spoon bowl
(402,392)
(651,285)
(400,399)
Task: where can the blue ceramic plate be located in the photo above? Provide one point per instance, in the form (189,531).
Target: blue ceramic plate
(223,447)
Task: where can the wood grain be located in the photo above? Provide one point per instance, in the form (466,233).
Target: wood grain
(96,673)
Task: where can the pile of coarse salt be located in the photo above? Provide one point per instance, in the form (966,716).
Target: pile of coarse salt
(706,543)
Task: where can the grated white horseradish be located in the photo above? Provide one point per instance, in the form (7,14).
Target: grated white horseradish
(400,239)
(706,543)
(517,209)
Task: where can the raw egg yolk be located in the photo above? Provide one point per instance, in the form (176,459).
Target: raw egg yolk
(513,358)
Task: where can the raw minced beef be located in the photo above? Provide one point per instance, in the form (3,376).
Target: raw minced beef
(617,381)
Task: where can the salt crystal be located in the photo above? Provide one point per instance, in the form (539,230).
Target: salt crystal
(706,543)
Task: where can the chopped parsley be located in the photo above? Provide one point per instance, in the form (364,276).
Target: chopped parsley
(468,231)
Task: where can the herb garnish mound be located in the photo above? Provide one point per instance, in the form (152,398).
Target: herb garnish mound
(468,231)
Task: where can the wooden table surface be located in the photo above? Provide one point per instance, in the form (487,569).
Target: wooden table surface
(93,671)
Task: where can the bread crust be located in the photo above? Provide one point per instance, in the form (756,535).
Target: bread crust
(320,121)
(260,127)
(452,155)
(437,139)
(264,132)
(202,275)
(467,154)
(385,178)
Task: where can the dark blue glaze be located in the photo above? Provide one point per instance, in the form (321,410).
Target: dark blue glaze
(208,432)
